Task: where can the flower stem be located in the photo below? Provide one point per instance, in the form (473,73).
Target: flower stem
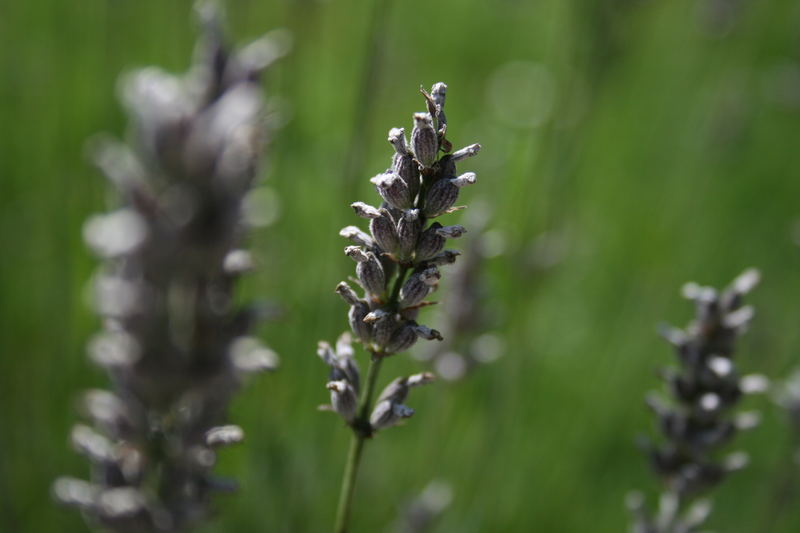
(361,431)
(361,426)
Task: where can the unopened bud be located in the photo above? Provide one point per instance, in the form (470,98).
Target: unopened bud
(365,210)
(387,414)
(343,399)
(401,340)
(467,151)
(357,235)
(384,231)
(418,286)
(347,293)
(408,231)
(424,141)
(448,257)
(393,189)
(427,333)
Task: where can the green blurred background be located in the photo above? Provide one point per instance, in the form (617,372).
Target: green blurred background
(628,146)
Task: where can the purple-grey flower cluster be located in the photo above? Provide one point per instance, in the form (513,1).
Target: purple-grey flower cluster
(174,342)
(398,260)
(697,421)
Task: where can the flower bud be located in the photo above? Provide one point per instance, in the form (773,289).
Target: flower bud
(387,414)
(369,270)
(427,333)
(403,163)
(451,232)
(365,210)
(348,294)
(397,138)
(467,151)
(355,318)
(384,231)
(418,286)
(393,189)
(430,243)
(424,141)
(357,235)
(402,339)
(383,326)
(448,257)
(441,197)
(438,93)
(343,399)
(408,231)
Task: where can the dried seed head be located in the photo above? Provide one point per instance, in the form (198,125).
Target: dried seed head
(393,189)
(384,231)
(424,141)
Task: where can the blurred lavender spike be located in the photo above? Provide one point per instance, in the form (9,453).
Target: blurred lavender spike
(697,420)
(174,341)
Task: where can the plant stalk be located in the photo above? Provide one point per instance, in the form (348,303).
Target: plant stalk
(361,427)
(360,434)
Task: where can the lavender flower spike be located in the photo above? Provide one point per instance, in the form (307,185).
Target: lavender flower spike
(397,267)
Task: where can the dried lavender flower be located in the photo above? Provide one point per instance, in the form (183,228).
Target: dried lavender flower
(397,268)
(174,342)
(697,421)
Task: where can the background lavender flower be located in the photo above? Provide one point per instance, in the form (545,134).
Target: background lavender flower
(697,422)
(175,344)
(397,267)
(468,314)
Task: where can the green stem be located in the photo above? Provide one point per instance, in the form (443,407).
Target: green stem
(361,431)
